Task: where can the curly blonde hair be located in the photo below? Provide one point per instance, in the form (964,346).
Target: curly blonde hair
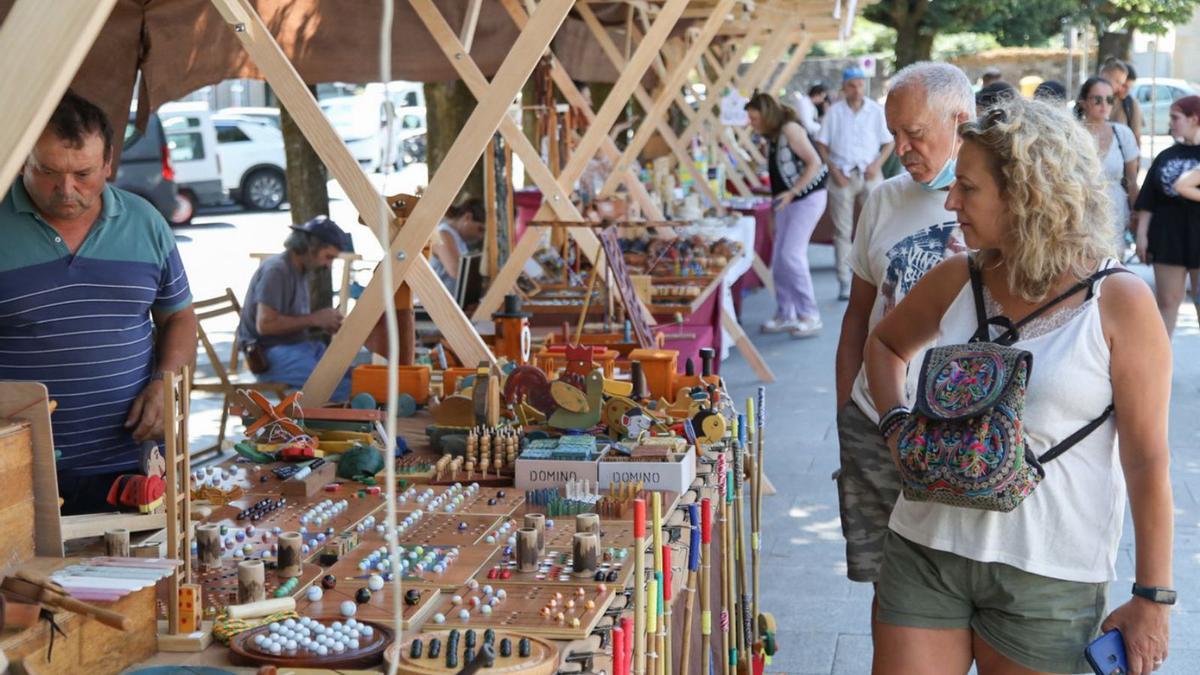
(1050,178)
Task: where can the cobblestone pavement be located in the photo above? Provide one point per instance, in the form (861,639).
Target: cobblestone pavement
(823,617)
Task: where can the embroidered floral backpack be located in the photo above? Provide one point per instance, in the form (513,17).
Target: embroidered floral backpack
(964,444)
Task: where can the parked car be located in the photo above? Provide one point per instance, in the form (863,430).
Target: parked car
(264,115)
(362,123)
(225,157)
(254,163)
(1156,104)
(145,167)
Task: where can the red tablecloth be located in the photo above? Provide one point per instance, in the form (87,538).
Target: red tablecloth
(699,330)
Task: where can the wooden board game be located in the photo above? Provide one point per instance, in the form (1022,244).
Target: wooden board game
(555,569)
(560,532)
(542,659)
(446,529)
(466,499)
(251,647)
(541,609)
(377,609)
(220,586)
(260,535)
(355,567)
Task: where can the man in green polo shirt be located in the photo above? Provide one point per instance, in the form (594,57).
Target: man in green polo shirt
(94,302)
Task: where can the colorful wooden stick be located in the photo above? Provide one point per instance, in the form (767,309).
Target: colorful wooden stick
(627,657)
(652,622)
(759,462)
(666,609)
(685,654)
(656,538)
(618,649)
(639,586)
(705,586)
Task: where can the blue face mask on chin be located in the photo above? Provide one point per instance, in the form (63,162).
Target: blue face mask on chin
(945,177)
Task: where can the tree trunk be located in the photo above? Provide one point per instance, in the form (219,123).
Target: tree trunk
(308,196)
(913,43)
(448,105)
(1117,45)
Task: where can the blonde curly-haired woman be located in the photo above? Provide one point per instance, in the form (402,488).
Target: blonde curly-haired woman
(1025,591)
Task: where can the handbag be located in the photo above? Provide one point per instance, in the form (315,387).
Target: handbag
(964,443)
(256,358)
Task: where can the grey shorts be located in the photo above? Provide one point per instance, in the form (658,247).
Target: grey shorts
(1041,623)
(868,485)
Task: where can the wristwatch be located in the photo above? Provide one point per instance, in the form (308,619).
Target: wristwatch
(1163,596)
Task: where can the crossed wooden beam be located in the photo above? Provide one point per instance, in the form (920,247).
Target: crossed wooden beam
(403,251)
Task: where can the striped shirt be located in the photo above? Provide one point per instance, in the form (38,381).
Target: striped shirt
(81,323)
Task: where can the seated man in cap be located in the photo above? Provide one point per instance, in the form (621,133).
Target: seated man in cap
(277,321)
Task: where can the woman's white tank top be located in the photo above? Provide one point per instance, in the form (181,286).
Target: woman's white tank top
(1069,528)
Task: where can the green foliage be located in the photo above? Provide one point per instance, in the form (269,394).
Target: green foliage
(1013,22)
(950,45)
(1147,16)
(867,37)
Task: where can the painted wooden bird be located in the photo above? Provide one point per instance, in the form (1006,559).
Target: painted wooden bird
(577,411)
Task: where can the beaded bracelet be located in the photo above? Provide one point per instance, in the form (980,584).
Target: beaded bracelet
(892,420)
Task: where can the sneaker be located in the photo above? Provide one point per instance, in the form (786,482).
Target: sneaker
(780,326)
(843,291)
(807,327)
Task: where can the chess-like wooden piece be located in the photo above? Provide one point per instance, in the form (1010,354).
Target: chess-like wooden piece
(442,465)
(455,466)
(528,552)
(470,469)
(116,543)
(538,522)
(252,581)
(290,562)
(585,551)
(588,522)
(484,463)
(208,546)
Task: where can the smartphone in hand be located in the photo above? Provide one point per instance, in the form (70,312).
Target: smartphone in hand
(1106,654)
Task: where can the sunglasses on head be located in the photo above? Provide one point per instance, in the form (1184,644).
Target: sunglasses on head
(1097,100)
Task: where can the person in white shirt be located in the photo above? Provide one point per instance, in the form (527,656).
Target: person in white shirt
(904,230)
(1025,590)
(854,142)
(807,112)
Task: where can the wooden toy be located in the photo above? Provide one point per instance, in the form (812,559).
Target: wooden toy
(658,367)
(419,602)
(250,527)
(426,659)
(540,609)
(513,339)
(554,567)
(220,586)
(583,416)
(440,566)
(190,607)
(411,380)
(445,528)
(31,587)
(277,644)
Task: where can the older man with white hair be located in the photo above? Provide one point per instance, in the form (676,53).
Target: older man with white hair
(903,231)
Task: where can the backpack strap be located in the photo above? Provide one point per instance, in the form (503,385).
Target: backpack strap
(1120,149)
(1068,442)
(1013,333)
(981,331)
(1082,433)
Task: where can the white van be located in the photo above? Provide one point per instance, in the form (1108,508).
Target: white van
(192,142)
(218,158)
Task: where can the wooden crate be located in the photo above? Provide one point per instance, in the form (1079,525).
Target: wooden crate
(89,646)
(16,499)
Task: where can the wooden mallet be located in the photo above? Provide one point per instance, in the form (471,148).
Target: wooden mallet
(34,588)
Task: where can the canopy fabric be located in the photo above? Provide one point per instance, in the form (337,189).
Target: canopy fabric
(182,45)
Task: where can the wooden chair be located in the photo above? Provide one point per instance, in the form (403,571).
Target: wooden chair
(230,376)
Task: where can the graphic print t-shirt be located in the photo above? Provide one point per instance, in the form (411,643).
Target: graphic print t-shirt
(903,232)
(1158,193)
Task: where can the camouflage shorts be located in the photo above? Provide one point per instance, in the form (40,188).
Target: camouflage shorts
(868,485)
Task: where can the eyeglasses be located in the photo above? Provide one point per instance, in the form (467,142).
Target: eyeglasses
(1097,100)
